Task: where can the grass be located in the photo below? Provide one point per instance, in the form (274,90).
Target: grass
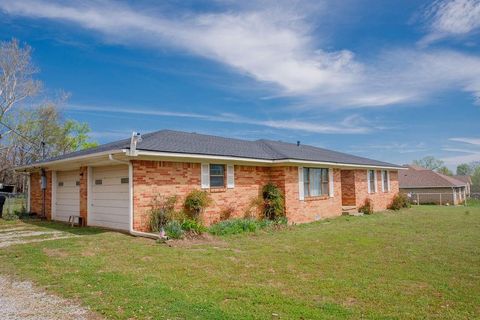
(422,262)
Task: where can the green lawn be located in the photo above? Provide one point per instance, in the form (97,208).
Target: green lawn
(422,262)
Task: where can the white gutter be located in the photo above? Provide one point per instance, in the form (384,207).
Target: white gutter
(229,158)
(130,200)
(86,156)
(203,157)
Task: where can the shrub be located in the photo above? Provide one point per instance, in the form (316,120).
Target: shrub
(10,215)
(399,201)
(254,209)
(173,230)
(367,207)
(272,202)
(235,226)
(162,211)
(192,226)
(227,213)
(196,202)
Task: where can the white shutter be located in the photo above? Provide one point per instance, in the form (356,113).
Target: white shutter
(230,176)
(368,182)
(330,182)
(388,181)
(205,176)
(375,180)
(301,194)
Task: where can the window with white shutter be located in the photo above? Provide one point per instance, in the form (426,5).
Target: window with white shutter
(230,176)
(205,176)
(301,194)
(330,181)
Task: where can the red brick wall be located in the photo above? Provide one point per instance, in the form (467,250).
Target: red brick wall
(312,208)
(84,193)
(380,200)
(153,178)
(36,194)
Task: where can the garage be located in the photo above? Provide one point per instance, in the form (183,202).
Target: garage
(67,198)
(109,204)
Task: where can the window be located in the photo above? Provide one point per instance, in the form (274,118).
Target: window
(124,180)
(315,182)
(98,182)
(77,183)
(371,181)
(385,181)
(60,184)
(217,175)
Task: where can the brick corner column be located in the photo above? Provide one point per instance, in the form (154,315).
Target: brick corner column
(84,193)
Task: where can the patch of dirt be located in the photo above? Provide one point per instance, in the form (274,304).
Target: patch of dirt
(55,253)
(22,300)
(192,241)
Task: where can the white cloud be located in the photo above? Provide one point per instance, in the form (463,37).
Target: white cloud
(468,155)
(474,141)
(273,44)
(350,125)
(448,18)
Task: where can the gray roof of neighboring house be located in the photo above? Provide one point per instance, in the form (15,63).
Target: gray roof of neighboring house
(193,143)
(466,179)
(418,177)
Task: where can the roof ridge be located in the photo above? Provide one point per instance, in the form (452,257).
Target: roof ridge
(264,143)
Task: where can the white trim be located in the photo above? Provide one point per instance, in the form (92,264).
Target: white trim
(381,178)
(368,182)
(205,175)
(283,161)
(210,157)
(230,176)
(331,190)
(29,193)
(90,155)
(54,195)
(388,182)
(301,191)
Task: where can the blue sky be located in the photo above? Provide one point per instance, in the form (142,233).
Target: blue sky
(390,80)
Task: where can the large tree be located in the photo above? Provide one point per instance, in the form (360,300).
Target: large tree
(429,163)
(464,169)
(35,130)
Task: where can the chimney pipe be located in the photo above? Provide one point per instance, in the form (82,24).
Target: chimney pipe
(298,143)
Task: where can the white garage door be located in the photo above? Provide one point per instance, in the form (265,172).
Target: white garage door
(67,200)
(110,198)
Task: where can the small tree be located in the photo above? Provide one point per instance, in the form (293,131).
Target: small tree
(196,202)
(464,169)
(444,170)
(273,207)
(161,213)
(429,163)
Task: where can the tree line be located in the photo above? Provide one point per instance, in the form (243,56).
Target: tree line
(32,127)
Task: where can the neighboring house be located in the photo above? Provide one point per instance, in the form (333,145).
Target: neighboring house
(468,183)
(113,185)
(427,186)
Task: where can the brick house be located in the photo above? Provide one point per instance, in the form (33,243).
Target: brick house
(113,185)
(429,187)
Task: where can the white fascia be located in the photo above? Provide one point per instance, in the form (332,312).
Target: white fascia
(262,161)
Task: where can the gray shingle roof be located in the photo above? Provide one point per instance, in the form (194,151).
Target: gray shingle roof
(201,144)
(418,177)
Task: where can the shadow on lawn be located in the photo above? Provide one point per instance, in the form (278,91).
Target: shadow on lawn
(65,227)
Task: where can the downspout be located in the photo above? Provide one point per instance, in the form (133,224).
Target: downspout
(130,192)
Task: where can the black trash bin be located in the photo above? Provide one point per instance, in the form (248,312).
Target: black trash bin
(2,202)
